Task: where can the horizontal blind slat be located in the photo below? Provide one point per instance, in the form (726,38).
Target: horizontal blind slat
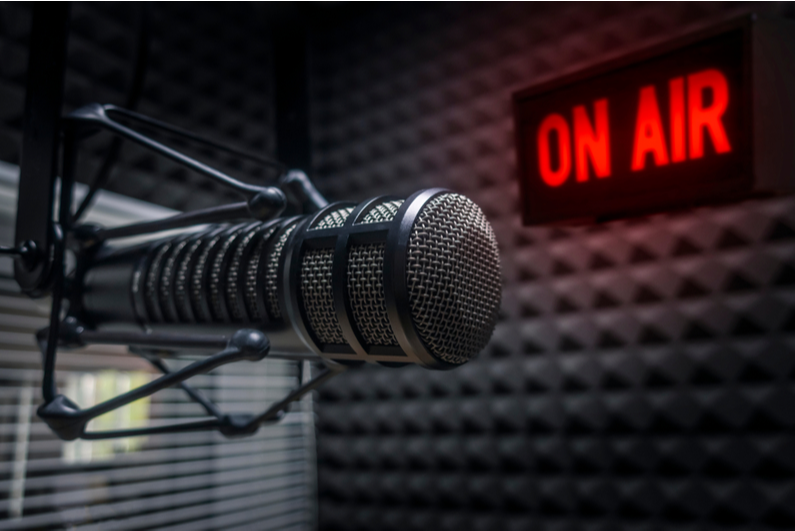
(173,467)
(255,517)
(195,511)
(109,495)
(70,480)
(185,443)
(187,480)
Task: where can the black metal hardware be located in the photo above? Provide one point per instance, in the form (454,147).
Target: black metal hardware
(301,192)
(219,214)
(26,251)
(69,422)
(62,415)
(291,88)
(49,348)
(264,202)
(74,335)
(195,395)
(41,241)
(40,141)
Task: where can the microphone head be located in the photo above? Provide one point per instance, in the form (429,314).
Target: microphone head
(389,281)
(453,277)
(395,282)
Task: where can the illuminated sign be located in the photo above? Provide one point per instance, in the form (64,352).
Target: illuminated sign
(667,128)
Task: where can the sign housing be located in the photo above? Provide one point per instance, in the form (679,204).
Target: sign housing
(704,119)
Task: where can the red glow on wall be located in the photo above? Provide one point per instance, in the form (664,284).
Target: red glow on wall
(649,136)
(707,117)
(592,143)
(554,177)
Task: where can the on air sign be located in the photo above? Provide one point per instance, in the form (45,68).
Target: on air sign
(665,129)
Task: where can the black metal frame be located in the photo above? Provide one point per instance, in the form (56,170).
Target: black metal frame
(42,241)
(64,417)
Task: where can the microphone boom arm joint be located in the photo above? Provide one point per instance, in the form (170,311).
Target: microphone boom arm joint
(41,270)
(261,202)
(69,422)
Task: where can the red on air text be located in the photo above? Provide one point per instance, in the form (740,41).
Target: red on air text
(696,105)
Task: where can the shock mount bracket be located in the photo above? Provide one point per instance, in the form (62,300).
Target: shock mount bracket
(42,240)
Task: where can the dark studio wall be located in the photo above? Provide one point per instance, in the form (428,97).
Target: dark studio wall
(208,70)
(641,374)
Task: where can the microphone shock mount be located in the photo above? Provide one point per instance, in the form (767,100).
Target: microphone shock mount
(40,270)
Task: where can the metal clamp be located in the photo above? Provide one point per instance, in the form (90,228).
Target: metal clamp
(69,422)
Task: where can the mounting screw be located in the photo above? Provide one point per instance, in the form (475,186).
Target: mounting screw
(267,203)
(253,344)
(236,425)
(87,234)
(27,254)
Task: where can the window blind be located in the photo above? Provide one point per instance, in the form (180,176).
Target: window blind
(179,481)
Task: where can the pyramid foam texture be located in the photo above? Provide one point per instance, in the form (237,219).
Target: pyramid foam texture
(209,77)
(642,374)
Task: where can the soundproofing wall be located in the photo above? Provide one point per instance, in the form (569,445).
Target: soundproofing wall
(207,69)
(642,373)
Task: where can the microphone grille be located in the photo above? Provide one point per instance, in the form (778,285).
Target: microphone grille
(318,295)
(366,281)
(181,288)
(169,311)
(420,284)
(234,282)
(272,274)
(453,278)
(333,219)
(366,291)
(316,286)
(152,277)
(251,281)
(382,212)
(197,282)
(219,274)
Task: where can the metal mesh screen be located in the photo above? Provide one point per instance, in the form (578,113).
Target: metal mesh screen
(317,295)
(250,291)
(335,218)
(181,297)
(197,279)
(272,295)
(382,212)
(453,278)
(366,292)
(164,288)
(227,245)
(233,279)
(150,288)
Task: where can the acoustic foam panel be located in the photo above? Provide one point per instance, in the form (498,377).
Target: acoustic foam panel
(208,71)
(641,375)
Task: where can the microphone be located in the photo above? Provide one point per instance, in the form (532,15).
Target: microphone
(388,281)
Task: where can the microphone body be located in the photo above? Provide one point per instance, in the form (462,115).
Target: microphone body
(389,281)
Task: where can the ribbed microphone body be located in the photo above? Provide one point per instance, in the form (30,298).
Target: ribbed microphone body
(389,280)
